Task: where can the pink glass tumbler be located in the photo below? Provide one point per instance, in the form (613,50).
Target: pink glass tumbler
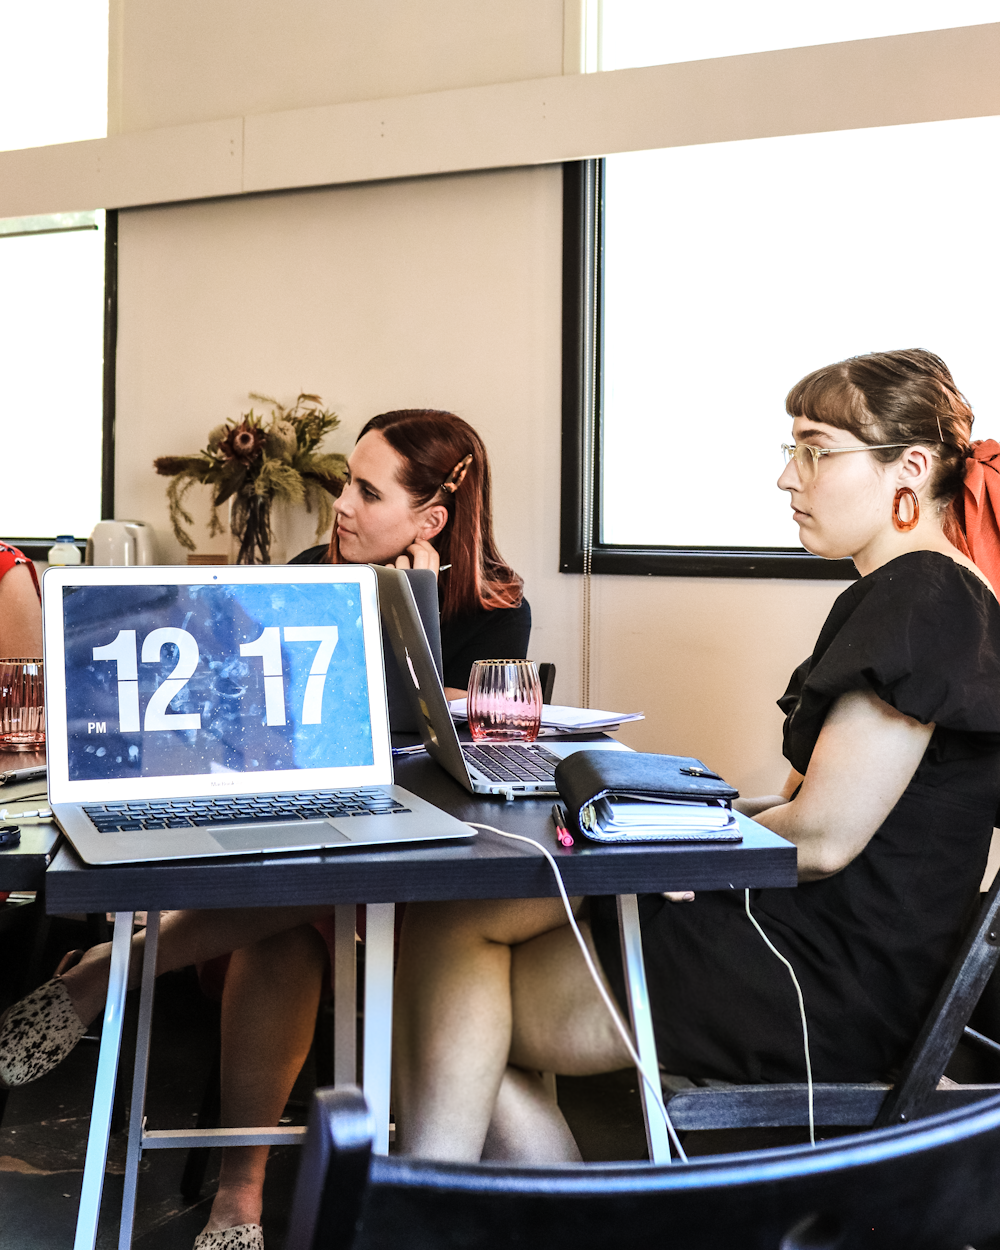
(22,705)
(505,701)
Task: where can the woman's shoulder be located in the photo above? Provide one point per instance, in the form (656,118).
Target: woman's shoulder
(920,586)
(9,556)
(922,632)
(312,555)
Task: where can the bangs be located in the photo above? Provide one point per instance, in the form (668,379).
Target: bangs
(829,396)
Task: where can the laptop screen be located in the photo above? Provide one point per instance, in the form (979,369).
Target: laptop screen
(230,679)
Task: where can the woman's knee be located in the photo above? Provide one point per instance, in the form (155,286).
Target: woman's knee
(504,921)
(298,948)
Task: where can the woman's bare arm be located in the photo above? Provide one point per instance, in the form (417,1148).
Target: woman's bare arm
(863,760)
(764,802)
(20,615)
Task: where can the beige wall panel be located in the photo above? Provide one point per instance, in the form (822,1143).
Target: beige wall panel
(186,162)
(705,659)
(193,60)
(439,293)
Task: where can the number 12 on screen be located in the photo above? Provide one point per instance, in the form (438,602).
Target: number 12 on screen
(124,651)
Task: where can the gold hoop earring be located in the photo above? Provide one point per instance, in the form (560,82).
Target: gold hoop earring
(905,526)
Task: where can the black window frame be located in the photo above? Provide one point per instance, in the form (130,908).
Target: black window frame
(580,548)
(35,547)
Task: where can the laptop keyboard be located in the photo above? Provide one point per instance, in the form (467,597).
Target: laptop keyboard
(240,810)
(500,761)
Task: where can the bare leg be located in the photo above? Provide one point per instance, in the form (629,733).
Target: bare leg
(186,937)
(268,1013)
(480,985)
(527,1125)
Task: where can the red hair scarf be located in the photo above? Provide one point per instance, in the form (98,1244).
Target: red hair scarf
(973,526)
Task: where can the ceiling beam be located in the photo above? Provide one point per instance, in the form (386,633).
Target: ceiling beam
(932,76)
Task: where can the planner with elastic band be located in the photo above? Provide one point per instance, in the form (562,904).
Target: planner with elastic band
(630,796)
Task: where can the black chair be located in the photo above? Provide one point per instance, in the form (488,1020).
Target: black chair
(547,678)
(926,1186)
(922,1088)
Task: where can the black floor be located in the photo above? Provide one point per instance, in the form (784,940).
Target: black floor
(44,1128)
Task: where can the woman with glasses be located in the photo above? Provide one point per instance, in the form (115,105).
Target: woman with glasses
(892,732)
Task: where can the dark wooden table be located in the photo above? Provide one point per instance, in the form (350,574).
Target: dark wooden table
(487,867)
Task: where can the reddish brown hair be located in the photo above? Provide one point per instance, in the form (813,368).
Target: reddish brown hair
(432,444)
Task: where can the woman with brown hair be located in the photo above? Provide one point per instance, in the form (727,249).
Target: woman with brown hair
(419,495)
(892,732)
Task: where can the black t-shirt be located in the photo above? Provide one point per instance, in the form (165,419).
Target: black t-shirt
(497,634)
(872,944)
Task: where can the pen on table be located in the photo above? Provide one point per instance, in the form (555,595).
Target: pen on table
(443,567)
(563,834)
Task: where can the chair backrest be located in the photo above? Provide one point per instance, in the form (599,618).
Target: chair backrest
(931,1052)
(923,1186)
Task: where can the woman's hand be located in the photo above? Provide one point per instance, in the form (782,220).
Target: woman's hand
(864,759)
(419,555)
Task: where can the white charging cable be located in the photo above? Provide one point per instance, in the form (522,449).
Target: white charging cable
(802,1015)
(652,1080)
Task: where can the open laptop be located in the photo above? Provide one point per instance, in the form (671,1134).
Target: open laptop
(403,717)
(511,769)
(222,710)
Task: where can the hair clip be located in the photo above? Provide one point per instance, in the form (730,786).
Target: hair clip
(457,476)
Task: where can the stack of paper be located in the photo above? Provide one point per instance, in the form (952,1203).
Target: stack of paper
(557,719)
(623,819)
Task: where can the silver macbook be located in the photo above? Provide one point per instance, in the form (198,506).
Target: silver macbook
(510,769)
(221,710)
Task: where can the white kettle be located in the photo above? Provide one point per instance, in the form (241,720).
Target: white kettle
(121,542)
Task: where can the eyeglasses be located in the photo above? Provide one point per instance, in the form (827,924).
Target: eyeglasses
(806,456)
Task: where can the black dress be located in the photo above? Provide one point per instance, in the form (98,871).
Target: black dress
(489,634)
(872,944)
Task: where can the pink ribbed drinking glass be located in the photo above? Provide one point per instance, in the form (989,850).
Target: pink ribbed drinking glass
(505,701)
(22,705)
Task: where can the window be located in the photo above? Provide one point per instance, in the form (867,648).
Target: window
(660,32)
(703,281)
(53,279)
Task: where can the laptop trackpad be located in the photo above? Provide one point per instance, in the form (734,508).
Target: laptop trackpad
(285,835)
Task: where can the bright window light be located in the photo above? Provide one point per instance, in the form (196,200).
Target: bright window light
(54,89)
(733,269)
(659,32)
(54,85)
(51,363)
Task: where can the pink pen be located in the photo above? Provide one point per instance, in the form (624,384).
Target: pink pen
(563,834)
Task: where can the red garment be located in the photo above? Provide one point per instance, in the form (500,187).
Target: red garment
(976,509)
(9,556)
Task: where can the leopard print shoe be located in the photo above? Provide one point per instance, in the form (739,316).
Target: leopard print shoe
(37,1034)
(242,1237)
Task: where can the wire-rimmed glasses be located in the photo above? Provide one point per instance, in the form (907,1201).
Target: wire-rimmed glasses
(806,456)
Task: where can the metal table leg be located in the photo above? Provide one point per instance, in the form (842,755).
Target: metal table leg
(345,996)
(378,1017)
(104,1087)
(642,1023)
(137,1112)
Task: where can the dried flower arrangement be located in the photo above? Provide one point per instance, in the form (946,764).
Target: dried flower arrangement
(254,464)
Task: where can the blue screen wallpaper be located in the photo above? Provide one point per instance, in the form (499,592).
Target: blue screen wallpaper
(189,680)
